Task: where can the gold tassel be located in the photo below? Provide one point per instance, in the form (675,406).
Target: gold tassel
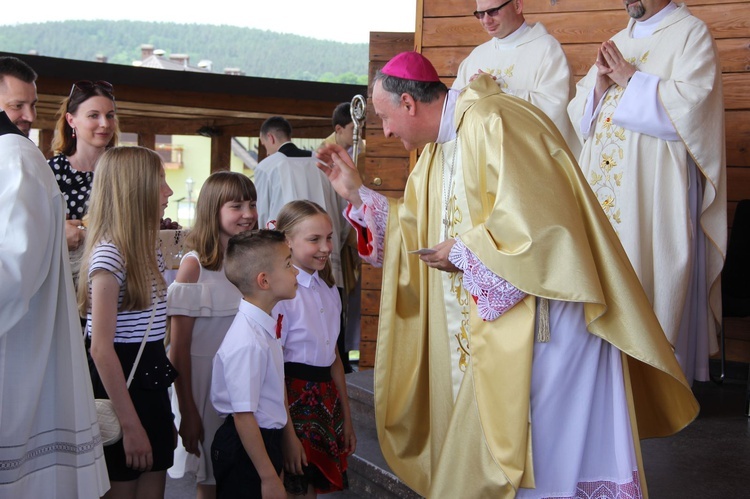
(542,333)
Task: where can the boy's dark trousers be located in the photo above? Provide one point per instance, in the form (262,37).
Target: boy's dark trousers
(235,474)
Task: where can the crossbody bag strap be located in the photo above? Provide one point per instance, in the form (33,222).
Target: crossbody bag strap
(143,345)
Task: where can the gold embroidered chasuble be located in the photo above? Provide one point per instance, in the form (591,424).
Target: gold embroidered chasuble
(642,181)
(534,222)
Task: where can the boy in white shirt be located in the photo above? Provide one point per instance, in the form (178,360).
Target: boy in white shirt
(248,372)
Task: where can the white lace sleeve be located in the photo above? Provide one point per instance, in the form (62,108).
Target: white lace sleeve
(370,221)
(493,294)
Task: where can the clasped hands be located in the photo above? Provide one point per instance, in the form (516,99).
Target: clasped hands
(611,68)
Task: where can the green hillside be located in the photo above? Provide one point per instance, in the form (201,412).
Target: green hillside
(254,51)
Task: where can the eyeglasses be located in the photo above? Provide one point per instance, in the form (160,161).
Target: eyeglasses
(88,86)
(479,14)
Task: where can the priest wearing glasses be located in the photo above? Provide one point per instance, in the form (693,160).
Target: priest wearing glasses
(525,61)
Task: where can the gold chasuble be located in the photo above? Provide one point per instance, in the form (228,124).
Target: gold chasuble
(536,223)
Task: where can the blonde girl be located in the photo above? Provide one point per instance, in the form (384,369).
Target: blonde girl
(121,286)
(202,304)
(322,437)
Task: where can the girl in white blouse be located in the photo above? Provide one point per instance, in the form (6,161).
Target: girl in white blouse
(315,455)
(202,305)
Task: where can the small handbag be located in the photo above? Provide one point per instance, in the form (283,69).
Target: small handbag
(109,425)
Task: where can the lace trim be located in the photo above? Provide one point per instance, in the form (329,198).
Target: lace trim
(607,490)
(493,294)
(375,208)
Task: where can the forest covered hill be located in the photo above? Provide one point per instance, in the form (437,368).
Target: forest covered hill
(255,52)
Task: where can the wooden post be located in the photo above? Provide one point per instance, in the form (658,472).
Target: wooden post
(221,150)
(147,140)
(386,170)
(45,142)
(262,152)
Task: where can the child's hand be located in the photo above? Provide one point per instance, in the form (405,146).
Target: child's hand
(273,488)
(191,431)
(138,455)
(294,454)
(350,439)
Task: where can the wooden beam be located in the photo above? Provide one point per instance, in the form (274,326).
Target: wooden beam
(729,21)
(303,129)
(737,129)
(456,8)
(381,45)
(734,55)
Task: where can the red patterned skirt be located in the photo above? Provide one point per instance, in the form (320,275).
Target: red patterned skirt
(315,409)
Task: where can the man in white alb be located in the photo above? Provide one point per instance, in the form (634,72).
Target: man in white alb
(288,174)
(525,60)
(651,114)
(49,439)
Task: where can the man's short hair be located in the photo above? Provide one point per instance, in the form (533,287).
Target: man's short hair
(15,67)
(250,253)
(277,125)
(342,115)
(421,91)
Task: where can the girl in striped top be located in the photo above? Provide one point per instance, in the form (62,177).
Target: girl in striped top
(124,286)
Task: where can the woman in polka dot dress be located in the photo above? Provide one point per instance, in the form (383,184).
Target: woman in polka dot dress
(86,127)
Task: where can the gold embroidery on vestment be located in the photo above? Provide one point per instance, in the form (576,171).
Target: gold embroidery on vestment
(501,75)
(606,177)
(455,217)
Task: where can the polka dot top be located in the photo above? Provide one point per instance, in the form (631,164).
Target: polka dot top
(74,185)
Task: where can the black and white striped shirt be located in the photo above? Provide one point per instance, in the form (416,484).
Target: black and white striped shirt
(131,324)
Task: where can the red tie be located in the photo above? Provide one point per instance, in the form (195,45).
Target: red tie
(278,326)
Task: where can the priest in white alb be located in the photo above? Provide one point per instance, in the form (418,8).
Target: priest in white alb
(287,174)
(50,446)
(651,114)
(525,61)
(517,355)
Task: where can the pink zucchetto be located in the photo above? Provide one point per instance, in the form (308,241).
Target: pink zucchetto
(411,66)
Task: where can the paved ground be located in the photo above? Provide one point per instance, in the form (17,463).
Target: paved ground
(710,459)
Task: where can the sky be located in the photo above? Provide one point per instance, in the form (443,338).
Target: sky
(341,20)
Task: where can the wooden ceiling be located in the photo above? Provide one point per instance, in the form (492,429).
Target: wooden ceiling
(157,101)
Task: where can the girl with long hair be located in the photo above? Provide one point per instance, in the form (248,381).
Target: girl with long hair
(121,292)
(202,304)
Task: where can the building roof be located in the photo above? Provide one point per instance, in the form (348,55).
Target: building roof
(182,102)
(159,62)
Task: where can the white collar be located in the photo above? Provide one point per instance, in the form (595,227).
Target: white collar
(643,29)
(511,40)
(252,311)
(306,279)
(448,119)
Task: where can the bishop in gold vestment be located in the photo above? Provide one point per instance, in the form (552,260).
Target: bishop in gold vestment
(515,413)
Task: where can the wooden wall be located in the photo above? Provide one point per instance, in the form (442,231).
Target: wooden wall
(449,32)
(446,31)
(386,170)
